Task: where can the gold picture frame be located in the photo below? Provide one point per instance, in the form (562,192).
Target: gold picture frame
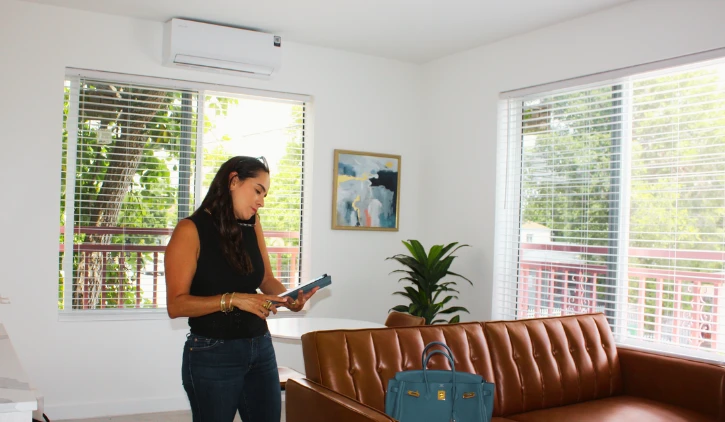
(366,191)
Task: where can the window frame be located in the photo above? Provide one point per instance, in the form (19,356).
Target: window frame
(200,88)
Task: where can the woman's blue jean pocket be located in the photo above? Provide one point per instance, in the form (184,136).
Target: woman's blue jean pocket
(197,343)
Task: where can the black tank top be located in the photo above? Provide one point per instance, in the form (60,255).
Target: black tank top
(214,276)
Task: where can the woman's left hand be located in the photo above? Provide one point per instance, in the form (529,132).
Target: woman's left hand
(299,303)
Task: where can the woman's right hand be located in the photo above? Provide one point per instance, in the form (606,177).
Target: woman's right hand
(255,303)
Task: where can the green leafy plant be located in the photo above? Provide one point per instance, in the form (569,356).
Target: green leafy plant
(426,272)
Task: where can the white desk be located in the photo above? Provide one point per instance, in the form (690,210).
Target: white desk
(17,401)
(294,328)
(287,333)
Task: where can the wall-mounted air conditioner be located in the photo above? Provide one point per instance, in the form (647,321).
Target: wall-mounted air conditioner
(221,49)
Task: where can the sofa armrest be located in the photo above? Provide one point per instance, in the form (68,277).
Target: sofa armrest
(308,401)
(686,383)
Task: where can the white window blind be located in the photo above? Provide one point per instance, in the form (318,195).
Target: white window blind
(130,170)
(611,198)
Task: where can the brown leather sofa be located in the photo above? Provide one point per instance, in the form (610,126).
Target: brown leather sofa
(548,369)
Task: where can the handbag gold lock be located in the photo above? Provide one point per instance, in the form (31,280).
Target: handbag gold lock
(441,394)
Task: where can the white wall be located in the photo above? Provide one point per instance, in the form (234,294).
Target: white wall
(95,368)
(463,91)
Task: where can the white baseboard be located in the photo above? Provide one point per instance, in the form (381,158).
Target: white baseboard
(118,408)
(115,408)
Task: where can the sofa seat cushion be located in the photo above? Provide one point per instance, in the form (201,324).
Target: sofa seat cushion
(614,409)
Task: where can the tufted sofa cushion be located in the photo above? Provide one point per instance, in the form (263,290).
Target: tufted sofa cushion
(549,362)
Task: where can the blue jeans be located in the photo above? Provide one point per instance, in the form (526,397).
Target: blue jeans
(223,376)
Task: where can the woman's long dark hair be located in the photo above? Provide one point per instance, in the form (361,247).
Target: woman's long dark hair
(218,202)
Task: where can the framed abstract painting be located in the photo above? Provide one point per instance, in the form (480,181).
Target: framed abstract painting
(366,191)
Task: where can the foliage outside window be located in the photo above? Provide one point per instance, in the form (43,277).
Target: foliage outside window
(139,157)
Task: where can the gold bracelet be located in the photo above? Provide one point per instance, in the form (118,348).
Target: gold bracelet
(231,302)
(222,305)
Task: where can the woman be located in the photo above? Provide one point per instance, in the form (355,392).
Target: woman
(215,261)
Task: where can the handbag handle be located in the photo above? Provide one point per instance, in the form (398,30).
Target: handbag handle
(448,354)
(433,344)
(453,373)
(438,352)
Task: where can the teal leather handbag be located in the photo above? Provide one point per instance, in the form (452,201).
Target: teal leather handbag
(439,396)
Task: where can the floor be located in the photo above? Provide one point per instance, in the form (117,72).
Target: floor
(181,416)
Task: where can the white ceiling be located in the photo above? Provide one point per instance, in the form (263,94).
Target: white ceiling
(408,30)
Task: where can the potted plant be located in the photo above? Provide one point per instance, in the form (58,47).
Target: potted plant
(426,271)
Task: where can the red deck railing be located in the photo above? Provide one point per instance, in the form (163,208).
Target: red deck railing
(120,268)
(675,306)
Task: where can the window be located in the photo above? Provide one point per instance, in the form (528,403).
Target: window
(138,155)
(625,180)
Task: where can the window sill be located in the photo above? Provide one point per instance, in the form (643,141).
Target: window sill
(141,314)
(112,315)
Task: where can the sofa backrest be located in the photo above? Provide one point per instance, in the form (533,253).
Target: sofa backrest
(549,362)
(535,363)
(359,363)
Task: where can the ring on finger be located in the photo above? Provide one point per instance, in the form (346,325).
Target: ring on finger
(294,302)
(267,304)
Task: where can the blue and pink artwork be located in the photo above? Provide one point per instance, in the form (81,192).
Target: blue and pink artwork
(366,191)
